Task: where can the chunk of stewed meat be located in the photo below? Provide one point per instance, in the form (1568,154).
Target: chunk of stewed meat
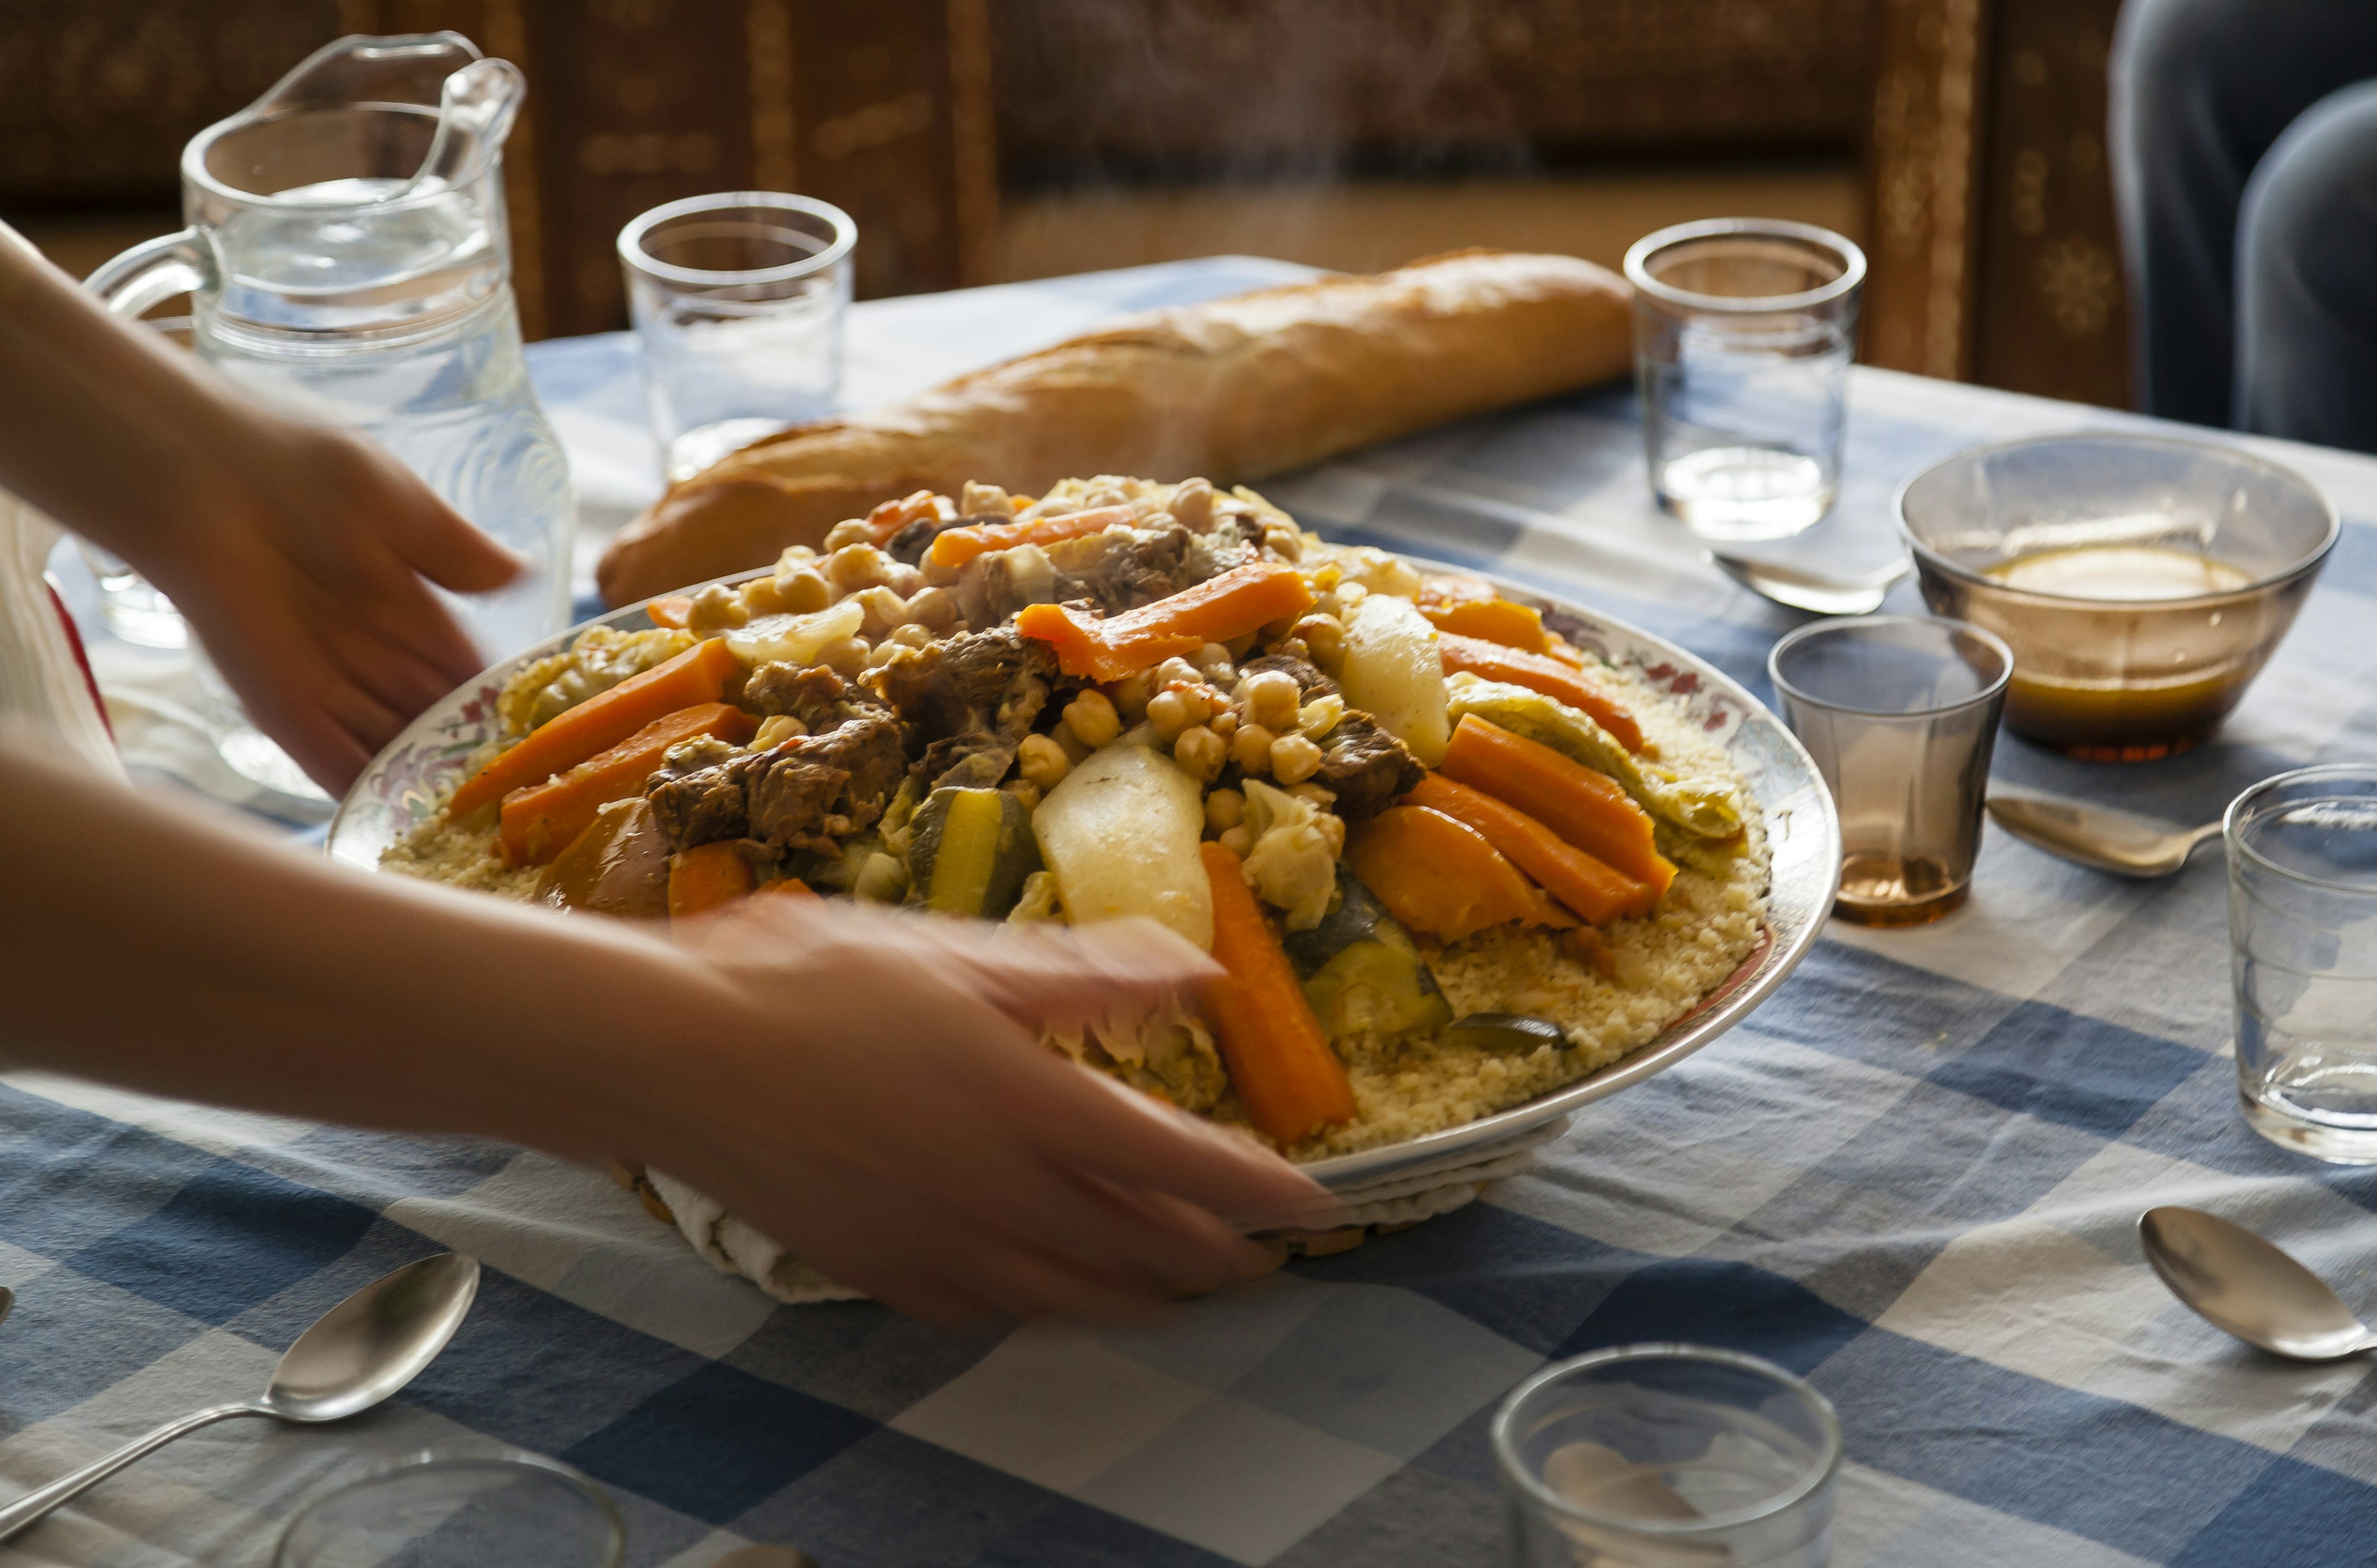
(806,794)
(1307,675)
(1365,767)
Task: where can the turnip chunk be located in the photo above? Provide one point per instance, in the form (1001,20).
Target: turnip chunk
(794,640)
(1121,833)
(1394,672)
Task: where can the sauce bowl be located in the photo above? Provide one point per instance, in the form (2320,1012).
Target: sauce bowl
(2141,581)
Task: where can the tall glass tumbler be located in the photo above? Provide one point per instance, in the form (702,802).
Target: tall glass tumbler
(1901,715)
(1743,333)
(1667,1456)
(738,301)
(2302,933)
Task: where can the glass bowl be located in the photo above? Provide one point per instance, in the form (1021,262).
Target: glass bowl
(2142,581)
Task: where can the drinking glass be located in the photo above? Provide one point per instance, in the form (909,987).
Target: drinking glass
(738,302)
(1900,714)
(502,1510)
(1743,333)
(1667,1456)
(2302,933)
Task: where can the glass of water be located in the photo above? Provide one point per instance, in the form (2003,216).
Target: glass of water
(504,1509)
(2302,933)
(738,302)
(1668,1455)
(1743,333)
(1901,716)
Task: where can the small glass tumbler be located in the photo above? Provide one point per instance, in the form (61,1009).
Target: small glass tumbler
(2302,935)
(1667,1456)
(499,1510)
(1743,333)
(738,302)
(1900,714)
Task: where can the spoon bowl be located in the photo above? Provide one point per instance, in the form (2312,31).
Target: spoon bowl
(2104,839)
(2240,1283)
(1795,588)
(351,1357)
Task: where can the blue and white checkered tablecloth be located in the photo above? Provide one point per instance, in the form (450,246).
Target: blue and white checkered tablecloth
(1911,1176)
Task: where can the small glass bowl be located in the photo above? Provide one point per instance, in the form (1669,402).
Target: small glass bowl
(2110,680)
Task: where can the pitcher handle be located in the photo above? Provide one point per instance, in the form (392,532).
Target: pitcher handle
(151,272)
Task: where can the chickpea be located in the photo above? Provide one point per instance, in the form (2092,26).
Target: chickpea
(1200,753)
(1192,504)
(1224,809)
(849,532)
(759,597)
(1250,748)
(1239,841)
(1272,699)
(1324,640)
(886,651)
(1174,670)
(903,578)
(1076,750)
(1168,715)
(794,558)
(976,499)
(858,565)
(1025,791)
(1092,717)
(1131,697)
(1350,596)
(845,656)
(803,591)
(715,608)
(911,636)
(1332,829)
(1285,543)
(1294,758)
(1224,723)
(1042,762)
(1214,665)
(884,610)
(935,609)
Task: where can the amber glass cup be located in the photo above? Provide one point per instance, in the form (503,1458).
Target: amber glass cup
(1900,714)
(2192,558)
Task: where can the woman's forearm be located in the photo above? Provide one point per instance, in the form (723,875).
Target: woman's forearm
(151,946)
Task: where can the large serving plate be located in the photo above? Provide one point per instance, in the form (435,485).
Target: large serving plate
(403,784)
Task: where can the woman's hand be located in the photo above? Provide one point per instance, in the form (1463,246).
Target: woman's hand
(886,1112)
(301,562)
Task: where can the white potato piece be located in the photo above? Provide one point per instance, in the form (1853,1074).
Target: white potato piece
(1120,832)
(1394,673)
(794,640)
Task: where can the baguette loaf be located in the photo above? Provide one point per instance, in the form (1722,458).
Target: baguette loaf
(1233,390)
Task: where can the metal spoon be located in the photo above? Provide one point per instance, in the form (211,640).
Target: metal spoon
(2120,842)
(1797,589)
(354,1356)
(2236,1281)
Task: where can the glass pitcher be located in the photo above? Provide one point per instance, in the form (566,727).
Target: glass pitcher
(348,260)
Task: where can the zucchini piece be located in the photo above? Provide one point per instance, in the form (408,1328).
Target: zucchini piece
(1506,1032)
(969,852)
(1362,972)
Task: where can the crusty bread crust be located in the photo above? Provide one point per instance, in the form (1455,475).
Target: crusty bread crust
(1233,390)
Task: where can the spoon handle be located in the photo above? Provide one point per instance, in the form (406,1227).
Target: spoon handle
(35,1506)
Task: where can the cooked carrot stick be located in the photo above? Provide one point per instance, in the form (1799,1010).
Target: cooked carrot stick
(892,516)
(1576,879)
(955,546)
(1538,672)
(1239,601)
(1438,875)
(1491,620)
(707,876)
(539,822)
(671,612)
(1589,810)
(697,675)
(1291,1083)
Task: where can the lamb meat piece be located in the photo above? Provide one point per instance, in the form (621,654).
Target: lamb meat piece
(815,695)
(1364,766)
(803,795)
(976,760)
(993,681)
(1138,572)
(1307,675)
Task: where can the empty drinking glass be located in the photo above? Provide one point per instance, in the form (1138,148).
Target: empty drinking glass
(499,1510)
(2302,932)
(738,302)
(1665,1456)
(1743,333)
(1900,714)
